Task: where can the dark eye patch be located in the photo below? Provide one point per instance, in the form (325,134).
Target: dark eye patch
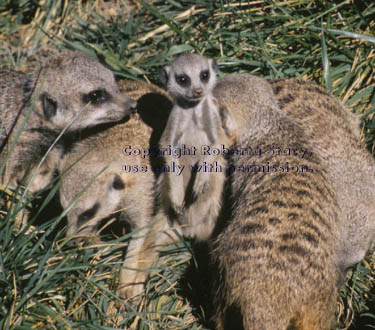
(205,75)
(117,183)
(49,106)
(98,96)
(87,215)
(183,80)
(44,172)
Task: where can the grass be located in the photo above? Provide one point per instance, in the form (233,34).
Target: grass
(46,284)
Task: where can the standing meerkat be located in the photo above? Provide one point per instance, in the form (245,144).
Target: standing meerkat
(335,133)
(191,194)
(276,253)
(112,181)
(70,86)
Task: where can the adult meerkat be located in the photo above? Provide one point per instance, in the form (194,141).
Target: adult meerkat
(276,254)
(191,191)
(111,180)
(335,133)
(70,86)
(95,168)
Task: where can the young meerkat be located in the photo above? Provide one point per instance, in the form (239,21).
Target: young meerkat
(70,86)
(335,133)
(276,252)
(114,182)
(191,194)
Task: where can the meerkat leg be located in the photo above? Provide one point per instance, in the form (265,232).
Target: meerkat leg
(319,315)
(176,191)
(133,274)
(205,178)
(143,251)
(201,183)
(208,207)
(220,325)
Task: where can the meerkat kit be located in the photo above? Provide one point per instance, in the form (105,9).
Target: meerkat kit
(192,198)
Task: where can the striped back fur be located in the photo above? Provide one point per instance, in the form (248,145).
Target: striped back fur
(276,255)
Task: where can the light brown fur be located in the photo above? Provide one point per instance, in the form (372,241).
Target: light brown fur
(298,263)
(191,195)
(115,191)
(276,254)
(335,133)
(283,251)
(70,86)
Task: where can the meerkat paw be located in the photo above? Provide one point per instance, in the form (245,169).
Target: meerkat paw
(200,186)
(131,290)
(177,205)
(176,198)
(177,213)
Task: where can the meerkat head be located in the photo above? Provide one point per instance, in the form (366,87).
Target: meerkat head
(190,77)
(73,84)
(101,200)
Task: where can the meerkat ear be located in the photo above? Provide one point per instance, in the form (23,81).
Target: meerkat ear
(49,106)
(214,65)
(227,121)
(164,75)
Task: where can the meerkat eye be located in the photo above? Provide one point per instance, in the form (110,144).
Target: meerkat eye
(49,106)
(183,79)
(98,96)
(87,215)
(205,75)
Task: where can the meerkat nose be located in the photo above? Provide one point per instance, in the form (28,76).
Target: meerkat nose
(132,105)
(198,92)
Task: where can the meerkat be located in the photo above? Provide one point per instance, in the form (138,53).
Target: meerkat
(191,194)
(108,179)
(276,253)
(72,89)
(335,133)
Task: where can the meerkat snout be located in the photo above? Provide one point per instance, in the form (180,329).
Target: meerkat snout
(132,105)
(198,92)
